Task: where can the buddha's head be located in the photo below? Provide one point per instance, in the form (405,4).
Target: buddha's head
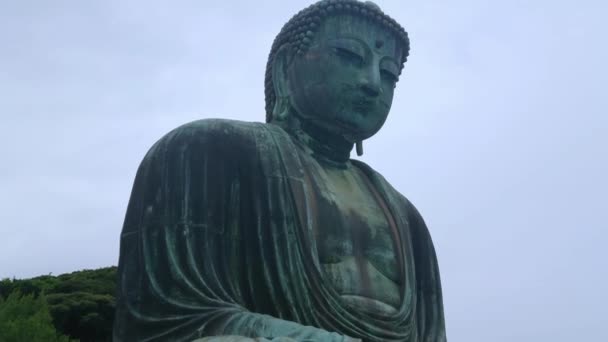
(334,65)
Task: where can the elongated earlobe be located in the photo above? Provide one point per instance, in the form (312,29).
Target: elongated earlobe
(281,108)
(359,147)
(282,103)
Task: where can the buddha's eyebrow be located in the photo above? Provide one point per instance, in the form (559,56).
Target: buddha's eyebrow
(353,39)
(348,42)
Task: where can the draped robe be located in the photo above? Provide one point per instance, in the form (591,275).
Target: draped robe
(218,240)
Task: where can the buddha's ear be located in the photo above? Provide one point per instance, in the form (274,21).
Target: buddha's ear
(280,82)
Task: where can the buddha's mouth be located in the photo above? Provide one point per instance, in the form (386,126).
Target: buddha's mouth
(363,105)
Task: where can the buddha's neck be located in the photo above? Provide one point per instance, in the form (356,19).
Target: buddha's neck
(326,147)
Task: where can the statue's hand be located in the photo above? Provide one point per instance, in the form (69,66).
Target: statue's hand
(257,339)
(233,338)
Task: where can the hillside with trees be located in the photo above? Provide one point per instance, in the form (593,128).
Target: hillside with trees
(77,306)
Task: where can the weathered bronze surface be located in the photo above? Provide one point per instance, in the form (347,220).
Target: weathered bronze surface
(238,231)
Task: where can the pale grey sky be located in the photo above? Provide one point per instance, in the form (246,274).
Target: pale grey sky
(498,134)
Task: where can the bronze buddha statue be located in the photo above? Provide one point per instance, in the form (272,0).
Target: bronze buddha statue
(269,230)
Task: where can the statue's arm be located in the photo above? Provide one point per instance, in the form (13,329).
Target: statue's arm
(183,268)
(273,329)
(249,339)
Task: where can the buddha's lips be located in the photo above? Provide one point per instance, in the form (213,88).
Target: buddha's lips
(363,105)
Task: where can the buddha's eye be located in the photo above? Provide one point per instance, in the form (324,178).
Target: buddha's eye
(348,56)
(388,76)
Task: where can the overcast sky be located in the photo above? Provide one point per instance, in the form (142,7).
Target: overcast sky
(498,134)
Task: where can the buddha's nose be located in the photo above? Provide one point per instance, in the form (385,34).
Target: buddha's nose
(370,83)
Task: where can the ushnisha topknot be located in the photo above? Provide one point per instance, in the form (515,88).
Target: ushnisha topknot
(298,32)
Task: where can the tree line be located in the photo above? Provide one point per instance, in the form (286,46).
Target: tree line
(77,306)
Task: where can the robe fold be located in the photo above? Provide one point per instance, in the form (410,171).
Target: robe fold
(218,239)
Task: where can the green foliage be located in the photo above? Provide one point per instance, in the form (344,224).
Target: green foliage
(81,303)
(85,315)
(27,318)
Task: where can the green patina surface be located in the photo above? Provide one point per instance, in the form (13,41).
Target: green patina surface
(238,231)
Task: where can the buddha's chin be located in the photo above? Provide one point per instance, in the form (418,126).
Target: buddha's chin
(352,126)
(350,131)
(357,127)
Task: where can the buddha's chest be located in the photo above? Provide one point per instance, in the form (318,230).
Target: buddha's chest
(351,223)
(355,242)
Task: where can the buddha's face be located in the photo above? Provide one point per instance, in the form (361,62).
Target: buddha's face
(345,81)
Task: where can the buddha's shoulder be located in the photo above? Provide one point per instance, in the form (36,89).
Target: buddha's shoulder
(216,129)
(219,135)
